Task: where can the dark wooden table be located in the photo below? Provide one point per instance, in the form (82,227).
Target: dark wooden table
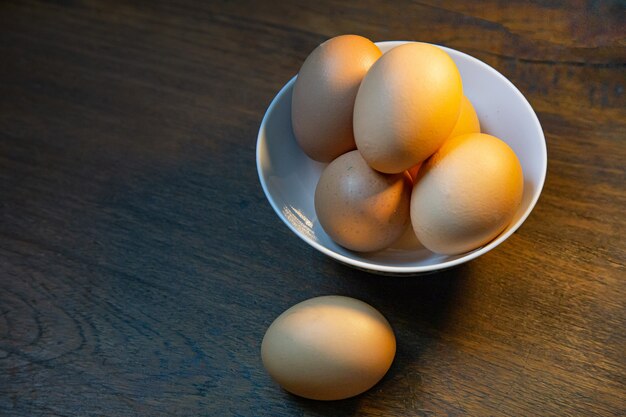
(140,263)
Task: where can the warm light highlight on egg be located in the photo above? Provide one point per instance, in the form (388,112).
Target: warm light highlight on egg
(407,106)
(466,193)
(467,121)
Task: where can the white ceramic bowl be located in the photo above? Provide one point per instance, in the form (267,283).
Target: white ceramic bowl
(289,177)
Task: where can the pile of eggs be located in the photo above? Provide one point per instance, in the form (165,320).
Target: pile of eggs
(404,149)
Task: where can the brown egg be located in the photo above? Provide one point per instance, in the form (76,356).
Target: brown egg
(466,194)
(360,208)
(467,121)
(406,107)
(408,240)
(414,170)
(328,348)
(324,93)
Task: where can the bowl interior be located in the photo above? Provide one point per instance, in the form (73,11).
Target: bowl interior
(289,177)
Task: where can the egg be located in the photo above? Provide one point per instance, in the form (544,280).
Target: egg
(324,93)
(406,106)
(360,208)
(466,194)
(467,121)
(408,240)
(414,170)
(328,348)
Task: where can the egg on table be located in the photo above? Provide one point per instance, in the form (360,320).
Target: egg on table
(466,193)
(406,106)
(324,93)
(360,208)
(328,348)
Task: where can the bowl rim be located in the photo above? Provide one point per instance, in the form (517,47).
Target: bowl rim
(419,269)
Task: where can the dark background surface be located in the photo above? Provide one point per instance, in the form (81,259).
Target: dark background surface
(140,263)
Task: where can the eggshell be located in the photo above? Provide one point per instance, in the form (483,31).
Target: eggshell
(467,121)
(360,208)
(414,170)
(324,93)
(407,106)
(408,240)
(328,348)
(466,194)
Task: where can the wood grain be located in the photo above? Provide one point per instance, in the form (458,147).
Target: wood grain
(140,263)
